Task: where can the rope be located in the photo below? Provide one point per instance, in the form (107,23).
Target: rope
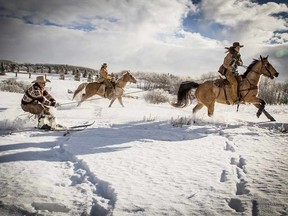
(96,98)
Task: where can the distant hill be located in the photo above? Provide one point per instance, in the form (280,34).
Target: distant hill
(46,68)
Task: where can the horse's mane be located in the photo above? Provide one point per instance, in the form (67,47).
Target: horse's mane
(123,74)
(250,67)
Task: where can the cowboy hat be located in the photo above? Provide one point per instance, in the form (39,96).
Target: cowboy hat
(235,44)
(41,79)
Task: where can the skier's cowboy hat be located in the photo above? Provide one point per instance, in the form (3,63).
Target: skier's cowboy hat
(236,44)
(41,79)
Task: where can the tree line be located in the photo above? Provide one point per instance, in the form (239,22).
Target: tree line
(271,91)
(10,66)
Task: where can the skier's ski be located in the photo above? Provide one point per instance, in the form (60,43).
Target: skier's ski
(83,125)
(67,130)
(59,128)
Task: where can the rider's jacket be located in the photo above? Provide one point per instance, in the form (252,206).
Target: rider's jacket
(35,94)
(231,62)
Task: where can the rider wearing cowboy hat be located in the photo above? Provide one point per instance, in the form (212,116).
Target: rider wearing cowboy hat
(107,81)
(37,100)
(229,68)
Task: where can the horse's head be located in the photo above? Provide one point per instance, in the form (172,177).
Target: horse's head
(267,69)
(129,77)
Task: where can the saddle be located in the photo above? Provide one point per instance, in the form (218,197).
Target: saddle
(224,83)
(221,82)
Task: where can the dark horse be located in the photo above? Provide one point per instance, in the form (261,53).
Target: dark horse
(209,92)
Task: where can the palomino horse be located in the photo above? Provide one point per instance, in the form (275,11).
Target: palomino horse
(208,92)
(91,89)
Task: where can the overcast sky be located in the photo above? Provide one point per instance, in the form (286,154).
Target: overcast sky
(181,37)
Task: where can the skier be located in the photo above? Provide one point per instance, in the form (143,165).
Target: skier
(37,101)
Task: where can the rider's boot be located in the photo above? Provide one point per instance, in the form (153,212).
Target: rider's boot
(46,122)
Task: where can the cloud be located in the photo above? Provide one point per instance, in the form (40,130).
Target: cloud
(140,35)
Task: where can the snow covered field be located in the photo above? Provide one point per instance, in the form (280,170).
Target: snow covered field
(133,161)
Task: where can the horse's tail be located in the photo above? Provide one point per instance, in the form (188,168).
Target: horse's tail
(184,96)
(79,89)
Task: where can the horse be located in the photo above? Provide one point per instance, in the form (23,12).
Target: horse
(92,88)
(210,91)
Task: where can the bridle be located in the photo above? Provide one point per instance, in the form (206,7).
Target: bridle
(253,86)
(266,68)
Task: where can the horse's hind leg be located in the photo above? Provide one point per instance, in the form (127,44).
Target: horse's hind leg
(196,109)
(83,98)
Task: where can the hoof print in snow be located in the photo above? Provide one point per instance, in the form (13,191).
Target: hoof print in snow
(229,147)
(236,204)
(223,176)
(241,188)
(135,210)
(242,163)
(241,185)
(233,161)
(255,209)
(51,207)
(97,209)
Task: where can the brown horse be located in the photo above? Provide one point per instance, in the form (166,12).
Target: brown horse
(91,89)
(210,92)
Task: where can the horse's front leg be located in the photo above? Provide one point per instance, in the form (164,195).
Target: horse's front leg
(112,101)
(261,108)
(268,115)
(260,104)
(120,101)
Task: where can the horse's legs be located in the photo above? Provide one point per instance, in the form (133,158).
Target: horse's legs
(83,98)
(197,107)
(195,110)
(112,101)
(211,109)
(120,101)
(268,115)
(260,105)
(260,110)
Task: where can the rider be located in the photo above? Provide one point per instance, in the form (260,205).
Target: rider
(37,101)
(229,68)
(107,79)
